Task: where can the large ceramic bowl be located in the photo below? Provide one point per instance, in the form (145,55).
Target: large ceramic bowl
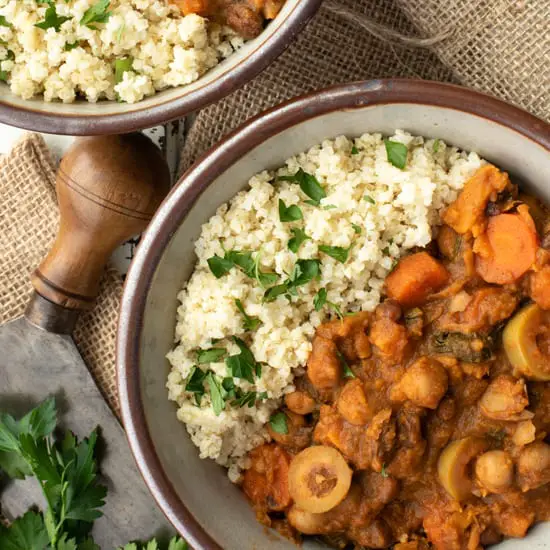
(111,117)
(195,494)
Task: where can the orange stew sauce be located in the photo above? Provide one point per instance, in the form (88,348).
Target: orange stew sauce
(425,423)
(246,17)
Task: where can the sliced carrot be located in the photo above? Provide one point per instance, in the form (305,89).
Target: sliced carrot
(266,481)
(203,8)
(415,278)
(467,212)
(507,249)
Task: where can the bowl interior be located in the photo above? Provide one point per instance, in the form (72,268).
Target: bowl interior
(202,486)
(214,84)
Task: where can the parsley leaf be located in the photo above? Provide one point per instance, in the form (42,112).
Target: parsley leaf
(368,198)
(339,253)
(217,393)
(354,150)
(348,373)
(436,145)
(271,294)
(299,236)
(278,423)
(248,398)
(176,543)
(209,355)
(356,228)
(25,533)
(98,13)
(396,153)
(249,323)
(304,272)
(52,20)
(4,22)
(320,299)
(241,259)
(195,383)
(122,65)
(242,365)
(329,207)
(383,471)
(308,184)
(71,45)
(219,266)
(290,213)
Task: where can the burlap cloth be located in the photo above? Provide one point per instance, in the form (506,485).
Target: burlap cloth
(498,46)
(28,223)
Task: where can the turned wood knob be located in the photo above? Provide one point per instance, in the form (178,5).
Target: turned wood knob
(108,189)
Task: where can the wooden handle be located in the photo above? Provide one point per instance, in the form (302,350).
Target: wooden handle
(108,189)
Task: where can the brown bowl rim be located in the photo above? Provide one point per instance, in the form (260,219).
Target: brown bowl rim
(145,117)
(198,178)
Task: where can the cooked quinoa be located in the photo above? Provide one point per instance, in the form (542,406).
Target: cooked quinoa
(372,213)
(123,50)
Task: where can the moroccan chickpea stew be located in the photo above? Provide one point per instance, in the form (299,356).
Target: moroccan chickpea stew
(412,417)
(425,421)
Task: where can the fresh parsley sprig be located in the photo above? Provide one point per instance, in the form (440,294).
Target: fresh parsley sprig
(249,323)
(308,184)
(52,20)
(98,13)
(304,271)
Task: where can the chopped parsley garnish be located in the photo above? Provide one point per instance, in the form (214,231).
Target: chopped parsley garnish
(249,323)
(195,383)
(304,271)
(274,292)
(299,236)
(368,198)
(217,393)
(436,144)
(386,251)
(348,373)
(242,365)
(396,153)
(383,471)
(122,66)
(210,355)
(278,423)
(320,299)
(4,22)
(308,184)
(329,207)
(249,398)
(356,228)
(339,253)
(290,213)
(251,266)
(98,13)
(52,20)
(354,150)
(71,45)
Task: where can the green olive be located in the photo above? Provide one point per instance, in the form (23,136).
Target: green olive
(453,466)
(520,343)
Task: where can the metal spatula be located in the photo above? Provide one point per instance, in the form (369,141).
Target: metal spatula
(108,189)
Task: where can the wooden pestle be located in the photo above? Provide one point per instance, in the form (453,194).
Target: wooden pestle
(108,189)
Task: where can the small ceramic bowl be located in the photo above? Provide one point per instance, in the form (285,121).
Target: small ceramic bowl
(111,117)
(196,494)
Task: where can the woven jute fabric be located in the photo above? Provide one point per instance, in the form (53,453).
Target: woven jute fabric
(331,50)
(501,47)
(29,218)
(498,46)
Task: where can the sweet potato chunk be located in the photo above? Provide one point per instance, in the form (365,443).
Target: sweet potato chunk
(415,278)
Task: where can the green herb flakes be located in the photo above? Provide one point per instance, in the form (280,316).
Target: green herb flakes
(437,143)
(384,472)
(299,236)
(4,22)
(337,252)
(271,294)
(219,266)
(278,423)
(242,365)
(329,207)
(210,355)
(71,45)
(304,272)
(52,20)
(356,228)
(122,65)
(249,323)
(98,13)
(217,393)
(348,373)
(290,213)
(320,299)
(354,150)
(396,153)
(368,198)
(308,184)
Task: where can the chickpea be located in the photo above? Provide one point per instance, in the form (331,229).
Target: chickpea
(425,382)
(299,402)
(506,399)
(534,466)
(352,403)
(495,471)
(306,522)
